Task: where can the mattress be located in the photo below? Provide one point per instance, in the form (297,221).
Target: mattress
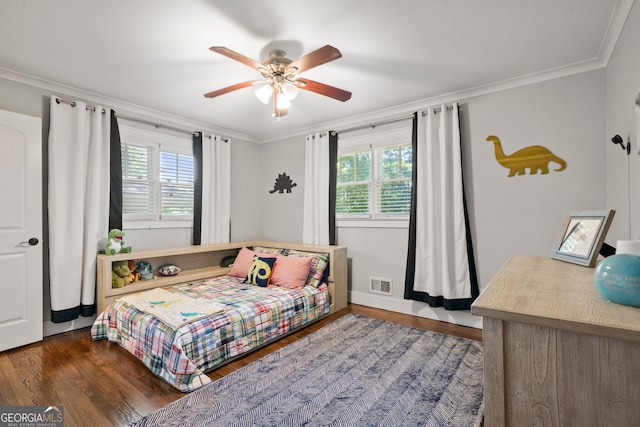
(252,316)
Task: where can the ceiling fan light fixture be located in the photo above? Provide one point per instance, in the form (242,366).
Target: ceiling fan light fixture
(282,103)
(264,93)
(290,90)
(280,74)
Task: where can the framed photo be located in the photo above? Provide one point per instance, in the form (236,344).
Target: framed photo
(581,236)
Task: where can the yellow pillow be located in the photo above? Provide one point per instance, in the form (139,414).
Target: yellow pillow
(260,271)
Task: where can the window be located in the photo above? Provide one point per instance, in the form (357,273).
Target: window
(374,176)
(157,179)
(394,179)
(176,184)
(353,183)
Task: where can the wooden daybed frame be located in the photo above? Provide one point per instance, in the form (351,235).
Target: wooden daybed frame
(202,262)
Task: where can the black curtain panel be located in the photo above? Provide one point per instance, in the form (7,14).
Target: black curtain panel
(333,175)
(411,250)
(197,189)
(115,171)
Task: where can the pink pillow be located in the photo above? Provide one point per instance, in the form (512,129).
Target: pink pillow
(291,272)
(244,260)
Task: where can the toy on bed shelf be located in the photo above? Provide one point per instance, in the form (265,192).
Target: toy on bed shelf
(134,275)
(168,270)
(115,244)
(120,274)
(145,269)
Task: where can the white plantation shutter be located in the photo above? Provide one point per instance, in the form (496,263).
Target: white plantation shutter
(353,199)
(137,181)
(176,183)
(353,187)
(393,180)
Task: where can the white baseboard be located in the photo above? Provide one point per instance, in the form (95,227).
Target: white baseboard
(416,308)
(51,328)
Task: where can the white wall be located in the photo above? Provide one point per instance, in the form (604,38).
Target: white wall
(282,213)
(623,172)
(523,214)
(246,202)
(509,215)
(21,98)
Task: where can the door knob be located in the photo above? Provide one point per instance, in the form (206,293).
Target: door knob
(32,242)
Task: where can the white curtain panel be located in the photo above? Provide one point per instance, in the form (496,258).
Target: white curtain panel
(216,190)
(315,226)
(442,266)
(78,195)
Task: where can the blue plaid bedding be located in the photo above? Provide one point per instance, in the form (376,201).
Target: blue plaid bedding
(253,316)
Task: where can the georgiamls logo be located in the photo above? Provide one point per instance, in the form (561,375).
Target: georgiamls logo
(36,416)
(53,408)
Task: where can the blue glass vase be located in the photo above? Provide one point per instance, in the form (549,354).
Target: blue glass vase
(617,279)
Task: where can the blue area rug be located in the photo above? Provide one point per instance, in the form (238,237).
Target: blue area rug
(356,371)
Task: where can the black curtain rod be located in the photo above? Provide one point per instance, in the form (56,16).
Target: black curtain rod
(385,122)
(135,119)
(373,125)
(437,110)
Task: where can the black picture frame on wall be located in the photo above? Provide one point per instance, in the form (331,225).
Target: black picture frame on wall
(581,236)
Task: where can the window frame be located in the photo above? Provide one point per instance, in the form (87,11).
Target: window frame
(156,140)
(373,141)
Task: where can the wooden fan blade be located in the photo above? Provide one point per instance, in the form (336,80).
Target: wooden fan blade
(317,57)
(323,89)
(237,56)
(230,89)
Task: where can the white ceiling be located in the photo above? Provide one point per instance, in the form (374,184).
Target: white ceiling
(396,54)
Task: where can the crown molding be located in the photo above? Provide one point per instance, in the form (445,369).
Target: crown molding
(457,96)
(616,23)
(122,107)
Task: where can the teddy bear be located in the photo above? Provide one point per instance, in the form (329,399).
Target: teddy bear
(134,275)
(120,274)
(115,244)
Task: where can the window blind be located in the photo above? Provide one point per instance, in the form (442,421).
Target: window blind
(137,180)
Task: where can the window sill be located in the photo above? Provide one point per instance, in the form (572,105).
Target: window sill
(372,223)
(150,225)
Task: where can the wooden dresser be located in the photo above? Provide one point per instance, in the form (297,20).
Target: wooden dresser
(555,352)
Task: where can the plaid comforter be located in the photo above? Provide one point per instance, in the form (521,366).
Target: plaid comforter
(253,316)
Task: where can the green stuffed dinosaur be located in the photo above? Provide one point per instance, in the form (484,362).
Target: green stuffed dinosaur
(120,274)
(115,244)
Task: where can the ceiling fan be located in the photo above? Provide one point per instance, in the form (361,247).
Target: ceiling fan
(281,77)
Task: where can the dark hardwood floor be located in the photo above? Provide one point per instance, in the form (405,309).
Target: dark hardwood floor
(100,384)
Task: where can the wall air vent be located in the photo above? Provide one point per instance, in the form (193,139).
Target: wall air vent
(380,285)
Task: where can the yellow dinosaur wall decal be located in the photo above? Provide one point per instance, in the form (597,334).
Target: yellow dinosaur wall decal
(535,157)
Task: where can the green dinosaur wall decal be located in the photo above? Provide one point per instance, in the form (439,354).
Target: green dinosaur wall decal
(535,158)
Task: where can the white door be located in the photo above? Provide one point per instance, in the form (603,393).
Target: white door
(20,230)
